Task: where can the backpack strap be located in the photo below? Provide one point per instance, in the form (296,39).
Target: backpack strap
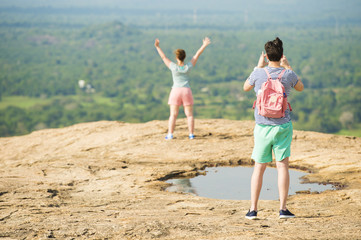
(279,76)
(269,76)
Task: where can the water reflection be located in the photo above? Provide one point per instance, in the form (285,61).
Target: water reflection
(183,185)
(235,182)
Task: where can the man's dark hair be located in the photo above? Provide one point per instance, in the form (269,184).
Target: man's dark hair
(274,49)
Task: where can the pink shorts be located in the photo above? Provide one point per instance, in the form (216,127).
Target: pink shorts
(180,96)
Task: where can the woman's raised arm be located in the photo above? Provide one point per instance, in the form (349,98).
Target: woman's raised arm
(206,42)
(161,53)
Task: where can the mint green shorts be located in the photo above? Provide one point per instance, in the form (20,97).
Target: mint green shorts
(267,138)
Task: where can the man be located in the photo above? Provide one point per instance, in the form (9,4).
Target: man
(272,134)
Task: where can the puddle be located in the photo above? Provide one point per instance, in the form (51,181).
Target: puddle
(234,183)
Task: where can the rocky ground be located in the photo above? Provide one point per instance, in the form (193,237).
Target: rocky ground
(103,180)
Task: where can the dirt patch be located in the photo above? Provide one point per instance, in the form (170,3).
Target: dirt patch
(102,180)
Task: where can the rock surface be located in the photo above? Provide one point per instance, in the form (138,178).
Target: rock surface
(102,180)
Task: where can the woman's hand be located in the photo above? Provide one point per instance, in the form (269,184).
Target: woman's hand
(284,63)
(156,43)
(206,41)
(262,62)
(161,53)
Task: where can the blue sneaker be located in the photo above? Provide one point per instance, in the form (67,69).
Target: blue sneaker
(169,136)
(286,214)
(191,136)
(252,215)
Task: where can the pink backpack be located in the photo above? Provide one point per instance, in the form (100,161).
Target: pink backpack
(272,99)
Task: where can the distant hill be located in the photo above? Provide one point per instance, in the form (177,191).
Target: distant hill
(219,13)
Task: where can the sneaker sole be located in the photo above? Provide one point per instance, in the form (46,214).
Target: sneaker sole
(285,217)
(251,218)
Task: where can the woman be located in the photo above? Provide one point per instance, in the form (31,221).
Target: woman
(272,133)
(181,93)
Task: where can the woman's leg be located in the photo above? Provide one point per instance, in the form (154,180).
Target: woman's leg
(283,181)
(188,110)
(256,183)
(174,110)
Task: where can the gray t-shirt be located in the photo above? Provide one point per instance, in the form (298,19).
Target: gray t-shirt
(289,81)
(180,74)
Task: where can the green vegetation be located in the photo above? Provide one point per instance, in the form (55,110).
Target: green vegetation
(43,59)
(355,132)
(21,102)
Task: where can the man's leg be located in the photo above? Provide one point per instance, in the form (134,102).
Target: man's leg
(283,181)
(256,183)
